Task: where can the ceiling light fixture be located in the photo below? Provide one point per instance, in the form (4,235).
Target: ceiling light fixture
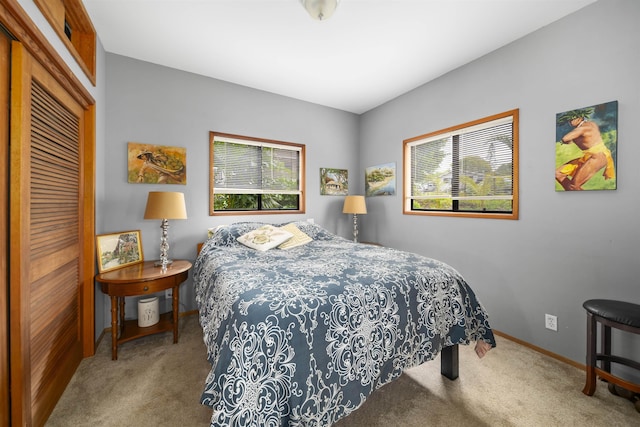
(320,9)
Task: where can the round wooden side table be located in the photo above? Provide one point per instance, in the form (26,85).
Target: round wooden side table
(142,279)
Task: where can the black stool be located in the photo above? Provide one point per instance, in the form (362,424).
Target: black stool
(610,314)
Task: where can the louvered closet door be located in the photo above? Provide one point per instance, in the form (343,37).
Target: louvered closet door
(46,235)
(4,229)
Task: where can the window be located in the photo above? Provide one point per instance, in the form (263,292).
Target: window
(71,21)
(468,170)
(253,175)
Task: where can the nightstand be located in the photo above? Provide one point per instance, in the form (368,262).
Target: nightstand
(142,279)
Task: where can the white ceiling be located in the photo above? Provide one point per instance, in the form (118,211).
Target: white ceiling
(368,52)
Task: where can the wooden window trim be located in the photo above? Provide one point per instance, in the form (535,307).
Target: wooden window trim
(301,208)
(19,24)
(82,45)
(406,188)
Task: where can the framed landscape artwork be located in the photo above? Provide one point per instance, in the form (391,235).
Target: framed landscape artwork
(334,182)
(117,250)
(380,180)
(587,147)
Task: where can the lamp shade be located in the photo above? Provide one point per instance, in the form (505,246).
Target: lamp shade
(320,9)
(354,205)
(165,205)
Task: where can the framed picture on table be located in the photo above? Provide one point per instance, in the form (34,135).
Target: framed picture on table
(117,250)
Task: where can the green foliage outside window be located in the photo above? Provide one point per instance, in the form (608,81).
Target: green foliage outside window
(250,174)
(241,202)
(467,169)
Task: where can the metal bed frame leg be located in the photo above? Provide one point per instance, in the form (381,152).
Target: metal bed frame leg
(449,362)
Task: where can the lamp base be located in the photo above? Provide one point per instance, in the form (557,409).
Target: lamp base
(355,227)
(159,263)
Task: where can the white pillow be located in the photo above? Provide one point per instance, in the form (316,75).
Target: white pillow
(212,231)
(299,238)
(265,237)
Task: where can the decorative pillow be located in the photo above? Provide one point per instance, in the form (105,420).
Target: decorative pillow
(299,238)
(227,235)
(213,230)
(265,237)
(314,231)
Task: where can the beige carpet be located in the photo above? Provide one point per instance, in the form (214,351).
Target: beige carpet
(157,383)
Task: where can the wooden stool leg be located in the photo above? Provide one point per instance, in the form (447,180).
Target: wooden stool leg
(606,347)
(590,386)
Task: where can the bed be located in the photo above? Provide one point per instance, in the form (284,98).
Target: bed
(302,335)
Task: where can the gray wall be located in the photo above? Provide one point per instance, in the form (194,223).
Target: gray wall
(566,247)
(151,104)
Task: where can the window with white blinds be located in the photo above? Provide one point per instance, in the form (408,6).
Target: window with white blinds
(254,175)
(466,170)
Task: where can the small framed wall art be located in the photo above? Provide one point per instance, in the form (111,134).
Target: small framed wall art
(587,147)
(117,250)
(156,164)
(334,182)
(380,180)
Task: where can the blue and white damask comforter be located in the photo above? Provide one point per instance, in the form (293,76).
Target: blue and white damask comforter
(301,337)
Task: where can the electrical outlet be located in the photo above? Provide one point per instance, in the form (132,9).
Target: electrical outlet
(168,294)
(551,322)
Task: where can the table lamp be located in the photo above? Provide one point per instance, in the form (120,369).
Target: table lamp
(165,205)
(354,205)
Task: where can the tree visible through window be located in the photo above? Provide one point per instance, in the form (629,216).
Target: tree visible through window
(466,170)
(254,175)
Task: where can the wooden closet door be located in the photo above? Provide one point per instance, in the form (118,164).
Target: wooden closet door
(46,235)
(5,63)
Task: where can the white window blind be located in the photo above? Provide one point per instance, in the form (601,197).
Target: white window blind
(469,168)
(242,167)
